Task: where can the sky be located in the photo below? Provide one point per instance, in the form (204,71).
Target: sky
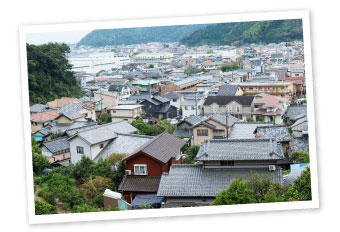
(68,37)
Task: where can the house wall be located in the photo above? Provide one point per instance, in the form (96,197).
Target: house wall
(46,152)
(95,149)
(107,100)
(63,119)
(218,127)
(245,111)
(75,157)
(154,168)
(197,140)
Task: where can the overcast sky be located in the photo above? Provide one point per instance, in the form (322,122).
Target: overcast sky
(69,37)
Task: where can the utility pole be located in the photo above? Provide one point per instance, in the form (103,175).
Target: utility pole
(196,101)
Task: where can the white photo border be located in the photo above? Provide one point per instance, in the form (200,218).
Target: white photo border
(165,212)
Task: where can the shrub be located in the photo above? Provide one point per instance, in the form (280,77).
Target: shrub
(39,163)
(84,208)
(260,184)
(299,157)
(44,208)
(238,192)
(94,186)
(83,169)
(301,189)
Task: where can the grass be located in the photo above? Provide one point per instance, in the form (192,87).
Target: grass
(286,172)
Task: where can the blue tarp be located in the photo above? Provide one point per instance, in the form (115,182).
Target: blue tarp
(293,167)
(37,138)
(146,199)
(180,75)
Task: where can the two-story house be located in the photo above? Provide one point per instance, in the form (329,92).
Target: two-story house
(125,112)
(71,112)
(146,164)
(220,163)
(237,106)
(269,108)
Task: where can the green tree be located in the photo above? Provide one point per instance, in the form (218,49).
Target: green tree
(105,118)
(191,154)
(44,208)
(299,157)
(276,193)
(49,73)
(83,169)
(85,208)
(301,189)
(151,66)
(226,67)
(238,192)
(260,184)
(39,161)
(113,159)
(210,51)
(95,186)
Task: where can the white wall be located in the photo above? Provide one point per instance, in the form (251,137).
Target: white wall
(75,157)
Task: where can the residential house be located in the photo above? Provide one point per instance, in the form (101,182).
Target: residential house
(269,108)
(147,163)
(147,86)
(237,106)
(90,142)
(106,98)
(222,161)
(125,112)
(175,99)
(187,84)
(71,112)
(293,113)
(157,107)
(184,127)
(56,151)
(120,91)
(192,107)
(39,108)
(41,119)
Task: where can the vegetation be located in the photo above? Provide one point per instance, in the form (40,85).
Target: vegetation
(104,118)
(301,189)
(155,129)
(49,73)
(237,193)
(141,35)
(151,66)
(44,208)
(239,33)
(226,67)
(191,154)
(299,157)
(38,160)
(95,186)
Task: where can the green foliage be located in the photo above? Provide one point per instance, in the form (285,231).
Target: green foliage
(99,38)
(259,118)
(84,208)
(94,186)
(44,208)
(113,159)
(191,154)
(145,206)
(39,161)
(56,185)
(114,209)
(236,34)
(56,135)
(210,51)
(249,120)
(260,184)
(229,66)
(98,200)
(105,118)
(299,157)
(301,189)
(155,129)
(238,192)
(276,193)
(191,70)
(83,169)
(151,66)
(49,73)
(119,174)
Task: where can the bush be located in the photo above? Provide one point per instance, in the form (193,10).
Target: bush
(191,154)
(276,193)
(238,192)
(56,185)
(83,169)
(98,201)
(301,189)
(39,163)
(84,208)
(94,186)
(260,184)
(44,208)
(299,157)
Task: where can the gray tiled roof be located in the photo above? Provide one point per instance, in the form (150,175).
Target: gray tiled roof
(227,90)
(123,144)
(162,147)
(56,145)
(293,112)
(279,133)
(172,95)
(221,118)
(106,132)
(193,120)
(224,100)
(71,109)
(161,99)
(198,181)
(239,149)
(139,183)
(40,108)
(299,144)
(245,130)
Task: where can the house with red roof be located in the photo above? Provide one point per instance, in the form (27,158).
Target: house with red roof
(269,108)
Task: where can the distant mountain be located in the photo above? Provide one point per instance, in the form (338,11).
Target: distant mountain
(126,36)
(274,31)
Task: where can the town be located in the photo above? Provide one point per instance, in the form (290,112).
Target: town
(162,125)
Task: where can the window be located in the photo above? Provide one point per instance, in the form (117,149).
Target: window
(140,169)
(192,107)
(237,109)
(174,100)
(230,108)
(214,108)
(101,145)
(80,150)
(185,107)
(202,132)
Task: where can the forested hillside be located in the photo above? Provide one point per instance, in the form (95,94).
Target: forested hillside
(49,73)
(126,36)
(274,31)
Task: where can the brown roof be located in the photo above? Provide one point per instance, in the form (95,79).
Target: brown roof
(58,103)
(44,116)
(163,147)
(139,183)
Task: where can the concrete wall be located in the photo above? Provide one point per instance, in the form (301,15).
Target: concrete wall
(75,157)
